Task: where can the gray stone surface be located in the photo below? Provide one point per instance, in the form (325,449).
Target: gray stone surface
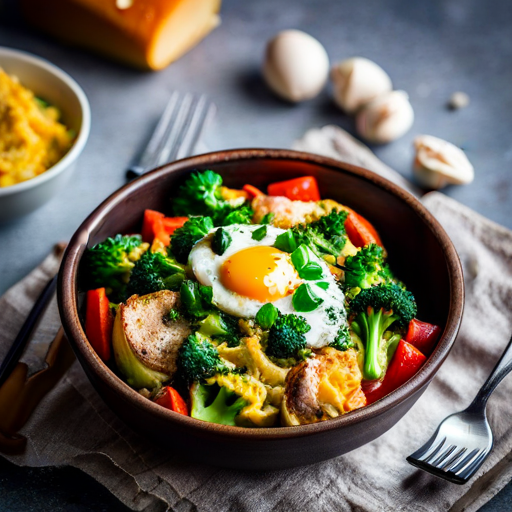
(430,49)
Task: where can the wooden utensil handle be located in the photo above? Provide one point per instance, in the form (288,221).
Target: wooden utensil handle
(20,396)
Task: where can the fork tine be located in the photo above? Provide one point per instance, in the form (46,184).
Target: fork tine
(444,455)
(148,157)
(186,120)
(464,462)
(173,130)
(449,465)
(177,133)
(203,112)
(468,462)
(468,472)
(431,452)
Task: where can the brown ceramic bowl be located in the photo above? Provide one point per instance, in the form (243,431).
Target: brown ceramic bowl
(419,250)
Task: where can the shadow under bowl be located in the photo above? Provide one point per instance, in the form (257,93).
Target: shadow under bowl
(419,251)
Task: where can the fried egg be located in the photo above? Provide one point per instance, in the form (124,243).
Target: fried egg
(251,273)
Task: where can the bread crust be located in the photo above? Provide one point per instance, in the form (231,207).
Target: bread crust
(154,339)
(144,35)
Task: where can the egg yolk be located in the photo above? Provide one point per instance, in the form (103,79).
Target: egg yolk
(261,273)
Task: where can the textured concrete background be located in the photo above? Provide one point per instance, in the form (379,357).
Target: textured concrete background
(430,49)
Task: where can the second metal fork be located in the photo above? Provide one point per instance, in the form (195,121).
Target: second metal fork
(177,132)
(463,440)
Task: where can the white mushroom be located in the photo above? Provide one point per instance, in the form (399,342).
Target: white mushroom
(296,65)
(358,81)
(386,118)
(439,163)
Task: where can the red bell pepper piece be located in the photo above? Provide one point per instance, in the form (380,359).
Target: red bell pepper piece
(171,224)
(252,191)
(171,399)
(423,335)
(157,226)
(405,363)
(151,224)
(360,231)
(98,322)
(298,189)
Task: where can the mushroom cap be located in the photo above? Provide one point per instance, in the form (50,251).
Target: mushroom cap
(296,65)
(386,118)
(357,81)
(438,163)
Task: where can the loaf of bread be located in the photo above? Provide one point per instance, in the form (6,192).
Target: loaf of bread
(144,33)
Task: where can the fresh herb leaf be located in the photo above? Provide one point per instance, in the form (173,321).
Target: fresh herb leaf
(305,300)
(221,241)
(306,267)
(260,233)
(268,218)
(266,316)
(286,242)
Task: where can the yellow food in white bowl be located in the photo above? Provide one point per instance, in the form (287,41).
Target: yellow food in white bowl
(37,155)
(31,137)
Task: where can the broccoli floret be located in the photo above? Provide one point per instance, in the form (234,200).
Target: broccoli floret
(109,264)
(224,404)
(324,236)
(367,268)
(221,327)
(376,309)
(198,359)
(154,272)
(202,195)
(233,215)
(174,315)
(188,235)
(196,299)
(342,341)
(286,337)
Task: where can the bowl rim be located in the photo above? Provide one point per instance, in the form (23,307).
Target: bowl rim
(67,300)
(85,126)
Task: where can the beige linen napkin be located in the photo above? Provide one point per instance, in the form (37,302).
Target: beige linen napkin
(73,426)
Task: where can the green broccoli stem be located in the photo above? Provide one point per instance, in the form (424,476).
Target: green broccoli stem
(323,244)
(218,411)
(372,326)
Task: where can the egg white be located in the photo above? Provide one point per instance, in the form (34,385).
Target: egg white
(325,321)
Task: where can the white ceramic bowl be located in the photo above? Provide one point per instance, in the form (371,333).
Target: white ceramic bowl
(57,88)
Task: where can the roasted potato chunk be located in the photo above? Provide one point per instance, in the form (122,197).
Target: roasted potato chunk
(322,387)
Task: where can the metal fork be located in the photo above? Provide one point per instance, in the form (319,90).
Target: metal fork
(177,132)
(463,440)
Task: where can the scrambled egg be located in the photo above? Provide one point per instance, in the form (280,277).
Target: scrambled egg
(31,138)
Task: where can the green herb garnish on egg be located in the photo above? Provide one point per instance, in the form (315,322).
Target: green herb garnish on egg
(304,299)
(221,241)
(266,316)
(260,233)
(306,267)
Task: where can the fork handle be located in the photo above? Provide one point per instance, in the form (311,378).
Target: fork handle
(134,171)
(501,370)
